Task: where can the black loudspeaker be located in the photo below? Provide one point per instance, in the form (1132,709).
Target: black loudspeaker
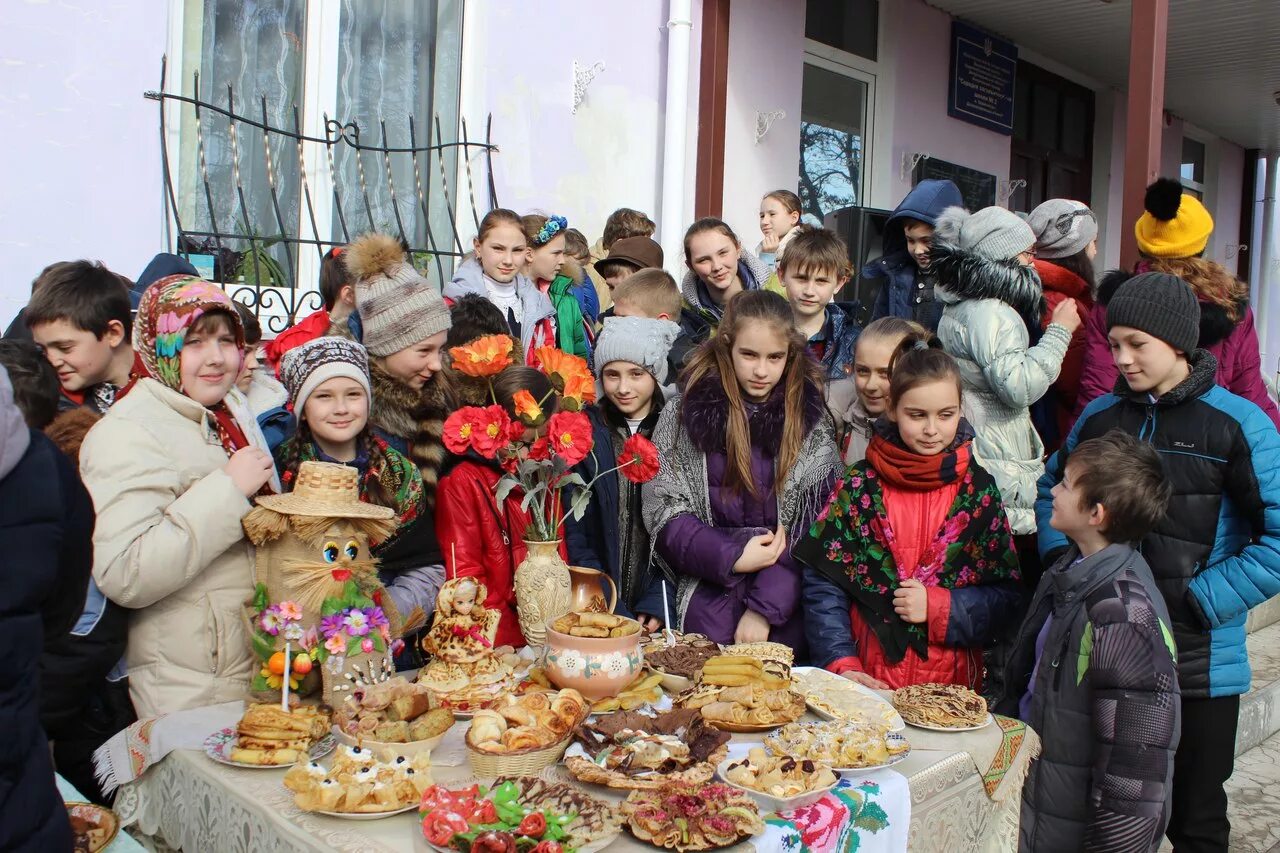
(862,229)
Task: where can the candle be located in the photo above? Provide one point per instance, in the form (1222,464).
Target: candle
(288,665)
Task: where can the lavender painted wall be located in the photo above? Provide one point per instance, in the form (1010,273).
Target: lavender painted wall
(81,162)
(517,64)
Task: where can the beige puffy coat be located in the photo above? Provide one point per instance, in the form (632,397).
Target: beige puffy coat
(168,545)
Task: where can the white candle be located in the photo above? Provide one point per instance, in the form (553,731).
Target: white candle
(288,664)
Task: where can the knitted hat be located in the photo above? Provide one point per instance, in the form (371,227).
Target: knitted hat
(992,232)
(642,252)
(168,308)
(1063,227)
(305,368)
(1174,224)
(639,340)
(1160,304)
(397,306)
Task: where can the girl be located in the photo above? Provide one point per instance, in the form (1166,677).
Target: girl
(1066,244)
(857,403)
(992,302)
(1172,234)
(328,386)
(718,271)
(748,457)
(482,536)
(501,249)
(556,274)
(779,215)
(911,567)
(172,468)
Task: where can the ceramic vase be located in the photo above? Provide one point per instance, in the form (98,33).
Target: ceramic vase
(543,589)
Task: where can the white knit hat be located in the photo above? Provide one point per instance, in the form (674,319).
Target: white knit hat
(639,340)
(305,368)
(398,307)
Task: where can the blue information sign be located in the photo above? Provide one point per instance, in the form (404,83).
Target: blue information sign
(983,70)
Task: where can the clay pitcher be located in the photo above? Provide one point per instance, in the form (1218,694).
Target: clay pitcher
(543,589)
(588,591)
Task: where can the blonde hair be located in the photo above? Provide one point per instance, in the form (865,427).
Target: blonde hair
(652,291)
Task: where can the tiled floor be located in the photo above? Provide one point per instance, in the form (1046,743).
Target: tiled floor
(1253,794)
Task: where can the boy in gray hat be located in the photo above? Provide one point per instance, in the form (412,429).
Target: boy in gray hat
(631,368)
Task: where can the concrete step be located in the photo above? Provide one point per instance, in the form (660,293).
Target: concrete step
(1260,707)
(1264,615)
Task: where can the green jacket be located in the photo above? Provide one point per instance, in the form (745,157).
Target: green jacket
(571,329)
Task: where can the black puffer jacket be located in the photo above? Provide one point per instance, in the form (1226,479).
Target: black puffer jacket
(1217,552)
(1105,702)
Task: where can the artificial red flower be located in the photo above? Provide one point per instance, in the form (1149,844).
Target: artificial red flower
(639,459)
(540,450)
(459,426)
(483,357)
(492,432)
(569,434)
(559,366)
(527,408)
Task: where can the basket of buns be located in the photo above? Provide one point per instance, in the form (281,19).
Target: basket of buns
(524,734)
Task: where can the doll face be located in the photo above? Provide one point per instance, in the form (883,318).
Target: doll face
(464,599)
(928,417)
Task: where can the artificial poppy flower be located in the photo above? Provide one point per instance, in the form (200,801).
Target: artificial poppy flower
(483,357)
(639,459)
(579,389)
(559,366)
(527,408)
(540,450)
(459,426)
(569,435)
(492,432)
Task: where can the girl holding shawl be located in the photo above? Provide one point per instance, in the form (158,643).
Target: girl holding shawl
(910,569)
(748,456)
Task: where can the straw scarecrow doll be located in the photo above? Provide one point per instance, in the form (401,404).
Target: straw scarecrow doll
(317,585)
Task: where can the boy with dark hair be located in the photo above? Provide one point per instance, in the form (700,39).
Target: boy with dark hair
(622,223)
(653,293)
(81,315)
(814,267)
(1216,551)
(473,316)
(35,384)
(626,258)
(1098,615)
(906,283)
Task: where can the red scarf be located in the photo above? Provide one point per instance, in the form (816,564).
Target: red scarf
(908,470)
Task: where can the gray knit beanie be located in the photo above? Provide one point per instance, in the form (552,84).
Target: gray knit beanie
(993,232)
(305,368)
(639,340)
(1063,227)
(398,307)
(1162,305)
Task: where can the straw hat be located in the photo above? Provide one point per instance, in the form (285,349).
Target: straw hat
(324,489)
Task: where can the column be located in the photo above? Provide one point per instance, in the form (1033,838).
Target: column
(1148,27)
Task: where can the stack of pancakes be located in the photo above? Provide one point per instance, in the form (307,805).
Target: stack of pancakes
(268,735)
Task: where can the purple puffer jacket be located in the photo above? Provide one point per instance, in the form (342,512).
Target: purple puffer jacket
(1233,343)
(708,553)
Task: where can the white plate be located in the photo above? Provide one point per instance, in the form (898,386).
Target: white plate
(766,802)
(218,747)
(990,719)
(892,737)
(369,815)
(593,847)
(897,725)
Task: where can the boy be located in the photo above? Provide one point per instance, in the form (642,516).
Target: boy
(631,366)
(622,223)
(626,258)
(816,265)
(1098,615)
(1216,551)
(653,293)
(80,313)
(906,289)
(339,296)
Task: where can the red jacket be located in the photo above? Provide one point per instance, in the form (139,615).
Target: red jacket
(314,325)
(1061,284)
(482,540)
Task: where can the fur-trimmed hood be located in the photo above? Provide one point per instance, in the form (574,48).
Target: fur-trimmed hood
(1215,323)
(704,412)
(967,275)
(69,428)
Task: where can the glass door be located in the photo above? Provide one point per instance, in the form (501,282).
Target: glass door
(835,135)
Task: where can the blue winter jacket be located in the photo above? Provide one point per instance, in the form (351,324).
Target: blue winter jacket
(840,335)
(904,292)
(596,541)
(1217,552)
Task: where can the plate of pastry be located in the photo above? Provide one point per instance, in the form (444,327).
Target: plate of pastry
(834,697)
(942,707)
(633,751)
(358,786)
(744,709)
(686,817)
(268,737)
(777,781)
(844,745)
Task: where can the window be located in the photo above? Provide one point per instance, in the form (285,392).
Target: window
(848,25)
(294,64)
(1192,169)
(834,134)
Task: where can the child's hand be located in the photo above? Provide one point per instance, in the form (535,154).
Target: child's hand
(864,679)
(1067,315)
(650,624)
(752,628)
(911,601)
(762,551)
(770,242)
(249,468)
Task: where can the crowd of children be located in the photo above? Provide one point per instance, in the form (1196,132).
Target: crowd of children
(1007,442)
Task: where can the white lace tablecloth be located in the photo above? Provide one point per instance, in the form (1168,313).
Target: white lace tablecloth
(192,803)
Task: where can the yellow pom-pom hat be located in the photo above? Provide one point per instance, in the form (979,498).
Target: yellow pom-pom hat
(1174,224)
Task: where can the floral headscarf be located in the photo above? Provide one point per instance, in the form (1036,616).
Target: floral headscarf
(168,309)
